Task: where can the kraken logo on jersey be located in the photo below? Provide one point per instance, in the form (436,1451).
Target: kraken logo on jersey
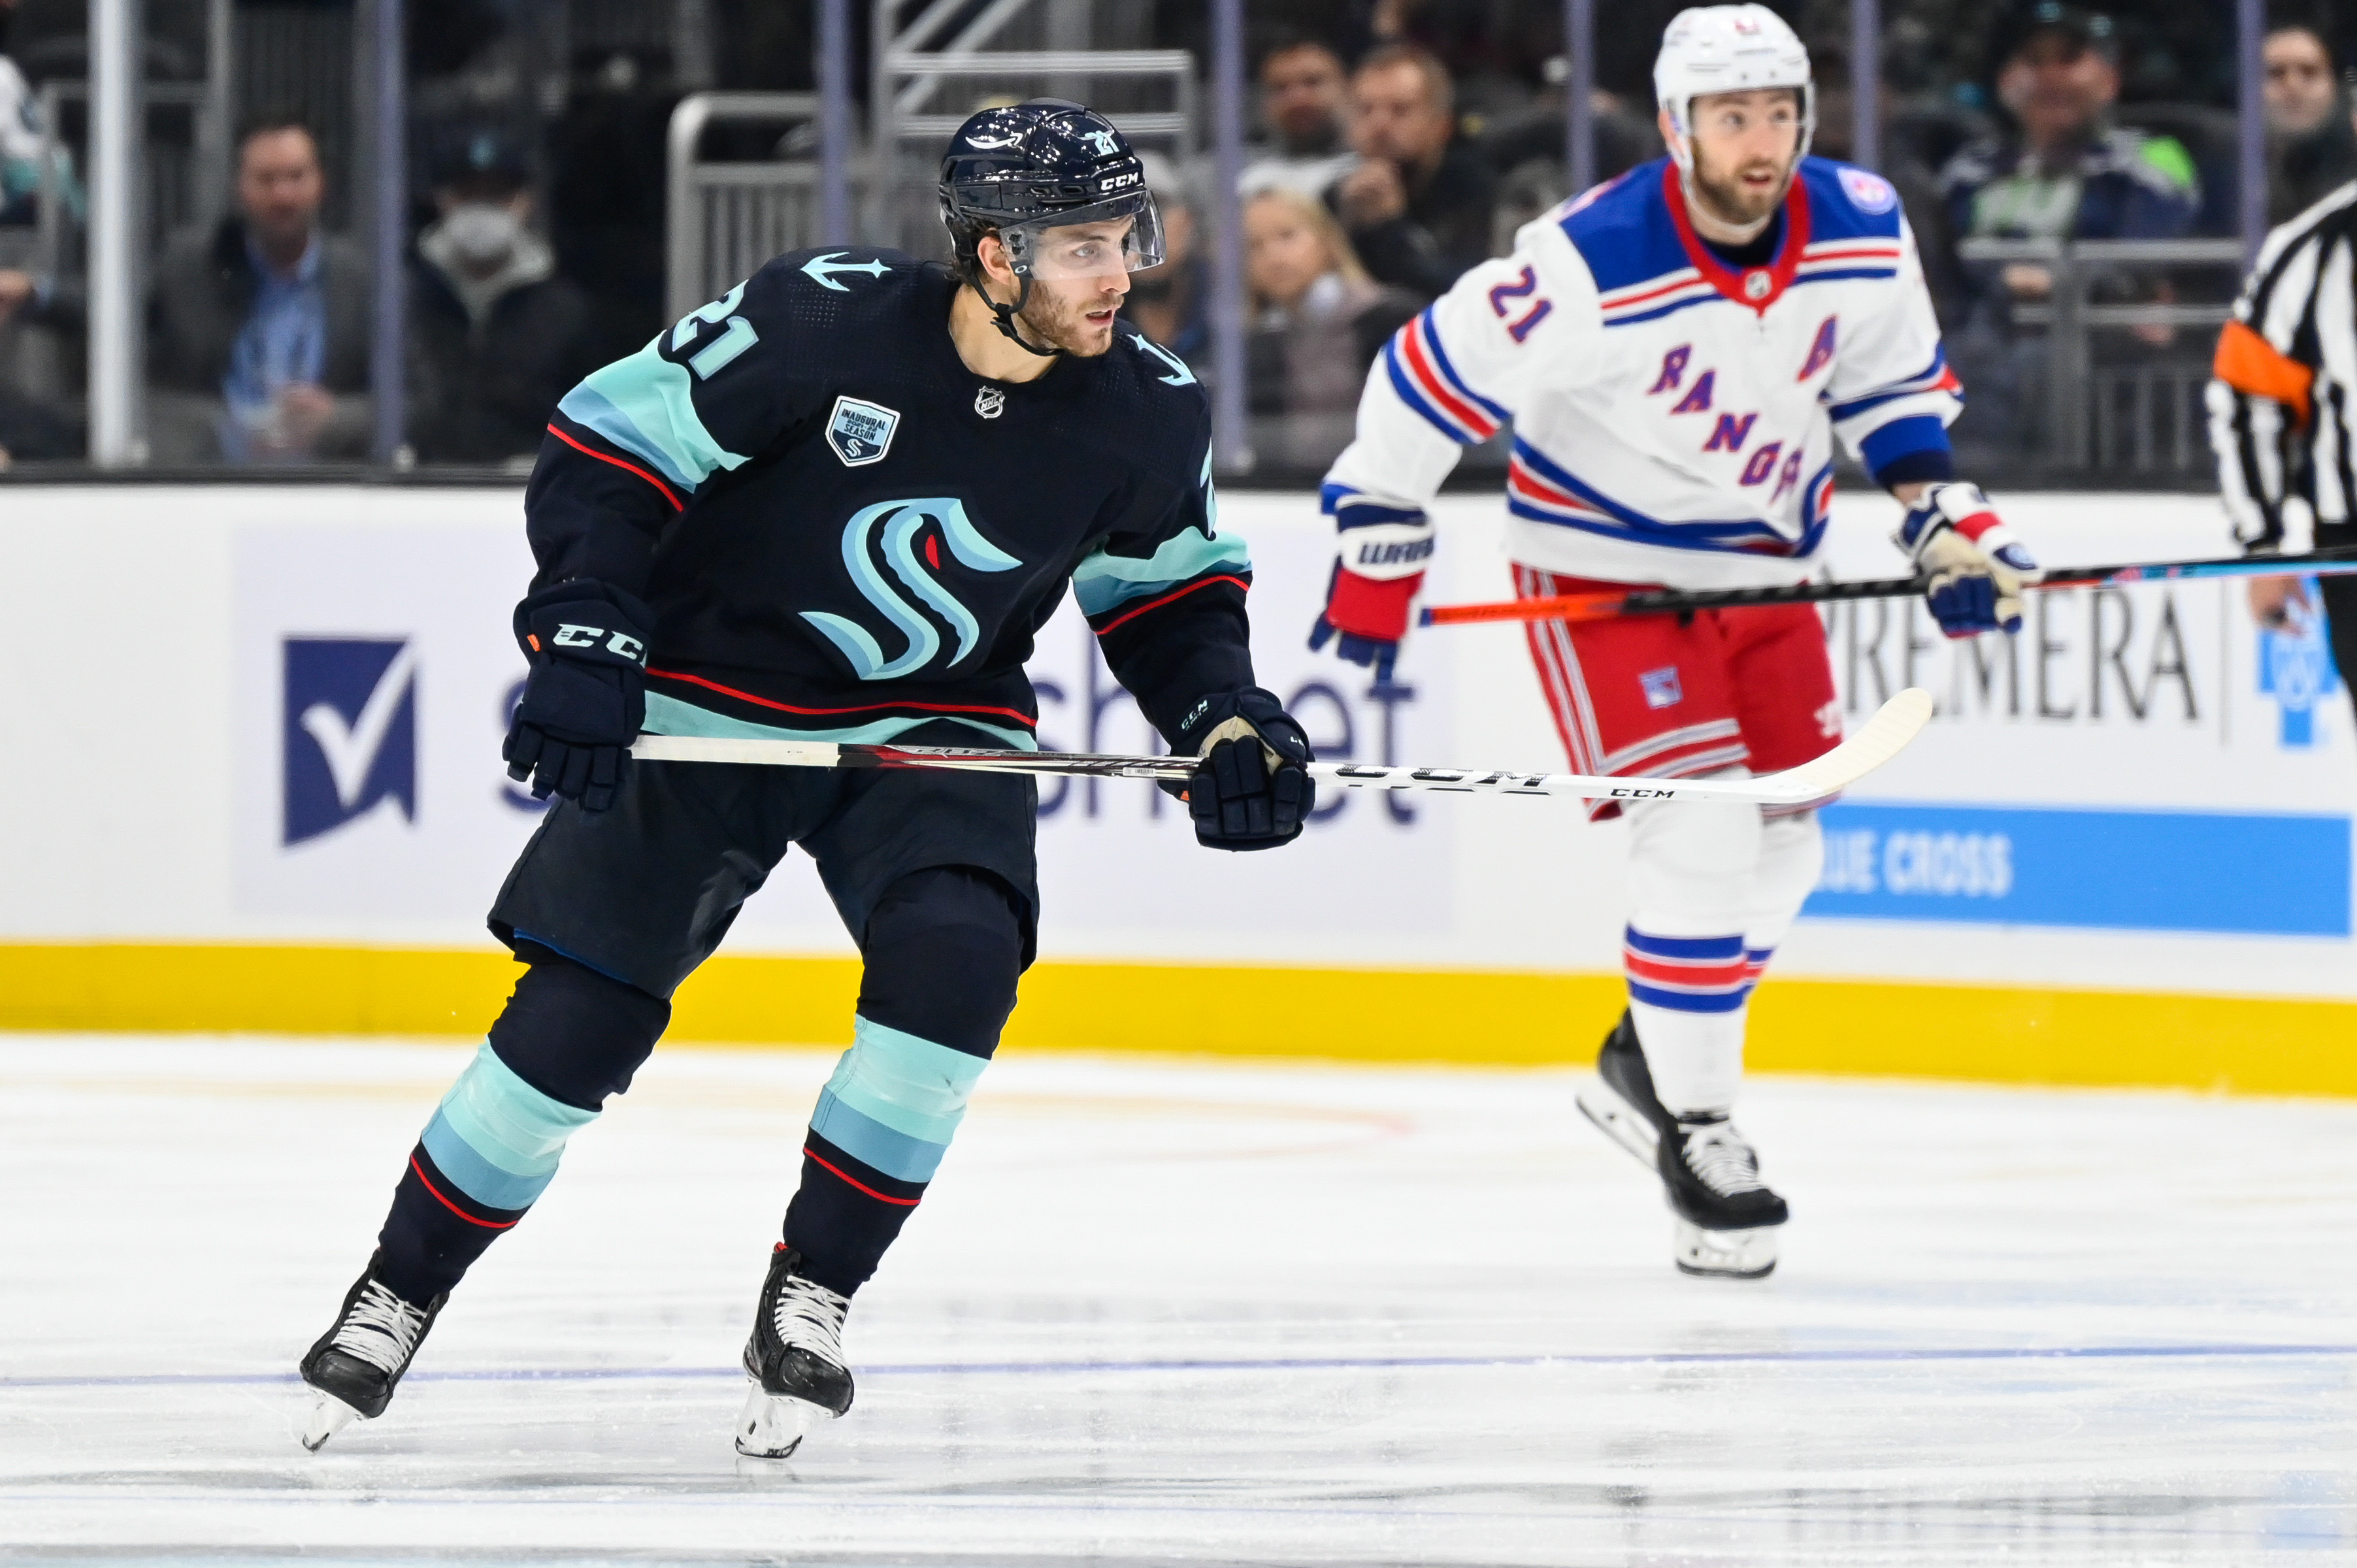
(902,523)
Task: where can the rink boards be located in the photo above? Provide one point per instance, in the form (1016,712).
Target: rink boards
(257,786)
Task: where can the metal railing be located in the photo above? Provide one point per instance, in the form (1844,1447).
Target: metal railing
(905,117)
(724,219)
(2135,409)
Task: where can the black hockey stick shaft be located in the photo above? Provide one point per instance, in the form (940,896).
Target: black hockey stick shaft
(1608,605)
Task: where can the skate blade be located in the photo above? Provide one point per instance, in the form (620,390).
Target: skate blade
(1620,1122)
(1726,1254)
(329,1416)
(772,1426)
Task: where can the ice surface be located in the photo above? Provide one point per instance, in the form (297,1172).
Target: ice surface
(1167,1311)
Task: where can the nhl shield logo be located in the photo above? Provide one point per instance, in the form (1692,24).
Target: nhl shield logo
(861,433)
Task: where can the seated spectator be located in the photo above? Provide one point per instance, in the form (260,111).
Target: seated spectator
(23,145)
(2310,149)
(2068,173)
(1319,320)
(258,331)
(1418,207)
(1171,303)
(1302,102)
(496,336)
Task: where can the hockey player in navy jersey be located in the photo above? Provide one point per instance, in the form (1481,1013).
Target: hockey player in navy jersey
(835,504)
(1678,351)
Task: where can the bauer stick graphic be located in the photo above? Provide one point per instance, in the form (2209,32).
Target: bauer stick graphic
(1878,740)
(1661,601)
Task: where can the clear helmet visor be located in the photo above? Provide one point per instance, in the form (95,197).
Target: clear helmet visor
(1123,235)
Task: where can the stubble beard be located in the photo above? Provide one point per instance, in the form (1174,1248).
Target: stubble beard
(1061,324)
(1730,202)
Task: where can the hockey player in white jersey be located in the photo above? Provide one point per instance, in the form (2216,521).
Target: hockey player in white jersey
(1678,350)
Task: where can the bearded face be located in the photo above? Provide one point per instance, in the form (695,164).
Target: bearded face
(1075,315)
(1744,146)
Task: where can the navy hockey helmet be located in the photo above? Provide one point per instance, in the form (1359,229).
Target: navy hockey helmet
(1021,170)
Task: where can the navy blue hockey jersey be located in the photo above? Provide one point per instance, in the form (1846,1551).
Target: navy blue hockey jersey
(844,532)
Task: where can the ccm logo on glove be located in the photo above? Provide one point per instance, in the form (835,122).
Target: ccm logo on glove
(620,644)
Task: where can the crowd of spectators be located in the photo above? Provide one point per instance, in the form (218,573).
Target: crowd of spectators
(258,330)
(1399,172)
(1393,144)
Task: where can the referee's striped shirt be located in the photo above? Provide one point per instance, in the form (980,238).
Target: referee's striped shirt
(2284,376)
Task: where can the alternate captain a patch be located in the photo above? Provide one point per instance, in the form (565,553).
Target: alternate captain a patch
(861,433)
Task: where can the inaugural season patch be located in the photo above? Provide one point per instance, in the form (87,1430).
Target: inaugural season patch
(861,433)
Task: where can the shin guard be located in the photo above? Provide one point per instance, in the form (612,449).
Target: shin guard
(567,1038)
(1690,871)
(942,950)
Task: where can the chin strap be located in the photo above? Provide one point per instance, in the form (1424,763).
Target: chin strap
(1004,314)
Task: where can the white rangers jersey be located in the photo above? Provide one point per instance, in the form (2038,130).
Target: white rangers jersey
(1673,416)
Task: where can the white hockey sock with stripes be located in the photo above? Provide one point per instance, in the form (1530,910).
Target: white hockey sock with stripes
(1691,871)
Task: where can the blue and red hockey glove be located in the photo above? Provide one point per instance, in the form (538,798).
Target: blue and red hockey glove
(1977,568)
(585,698)
(1253,790)
(1376,578)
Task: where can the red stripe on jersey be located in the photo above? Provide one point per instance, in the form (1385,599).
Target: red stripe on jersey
(1016,714)
(631,467)
(1420,365)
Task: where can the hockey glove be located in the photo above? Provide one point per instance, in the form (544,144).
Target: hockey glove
(585,698)
(1381,568)
(1253,790)
(1977,569)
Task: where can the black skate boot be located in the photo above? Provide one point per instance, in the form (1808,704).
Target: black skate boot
(1728,1217)
(1622,1105)
(795,1359)
(358,1363)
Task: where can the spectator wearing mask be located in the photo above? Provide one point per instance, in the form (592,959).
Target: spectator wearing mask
(1419,207)
(497,336)
(258,330)
(2310,149)
(1319,321)
(1170,302)
(2066,172)
(1302,101)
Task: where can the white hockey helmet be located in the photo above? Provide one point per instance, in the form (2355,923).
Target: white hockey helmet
(1728,48)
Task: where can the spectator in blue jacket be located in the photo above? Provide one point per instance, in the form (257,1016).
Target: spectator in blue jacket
(2066,172)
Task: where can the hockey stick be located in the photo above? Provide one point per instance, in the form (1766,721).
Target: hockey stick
(1878,740)
(1661,601)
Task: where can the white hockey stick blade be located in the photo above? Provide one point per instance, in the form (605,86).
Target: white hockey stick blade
(1882,737)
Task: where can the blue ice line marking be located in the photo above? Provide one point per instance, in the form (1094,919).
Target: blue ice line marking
(1288,1364)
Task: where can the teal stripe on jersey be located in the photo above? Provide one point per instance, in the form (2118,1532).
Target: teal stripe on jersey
(670,715)
(505,1120)
(476,1177)
(646,404)
(865,1139)
(1106,582)
(911,1085)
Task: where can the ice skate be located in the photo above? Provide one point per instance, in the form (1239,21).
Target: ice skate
(1622,1102)
(1726,1217)
(795,1359)
(358,1363)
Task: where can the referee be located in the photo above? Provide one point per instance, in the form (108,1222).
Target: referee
(2284,380)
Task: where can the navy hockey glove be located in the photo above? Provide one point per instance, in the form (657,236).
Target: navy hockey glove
(585,698)
(1977,568)
(1253,790)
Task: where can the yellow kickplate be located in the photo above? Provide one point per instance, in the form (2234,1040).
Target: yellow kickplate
(1990,1034)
